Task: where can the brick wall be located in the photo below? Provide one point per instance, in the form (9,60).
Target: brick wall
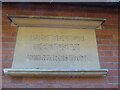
(107,40)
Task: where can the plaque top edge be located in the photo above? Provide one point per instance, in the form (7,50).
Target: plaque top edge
(56,17)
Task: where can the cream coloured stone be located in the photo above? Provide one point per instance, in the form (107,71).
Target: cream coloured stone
(49,48)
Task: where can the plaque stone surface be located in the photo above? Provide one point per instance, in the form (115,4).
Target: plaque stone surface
(56,48)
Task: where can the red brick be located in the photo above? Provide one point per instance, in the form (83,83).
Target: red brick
(93,15)
(108,53)
(110,86)
(66,80)
(6,64)
(116,36)
(100,15)
(104,36)
(109,26)
(8,45)
(7,51)
(109,59)
(107,47)
(115,16)
(10,28)
(107,31)
(111,21)
(64,14)
(109,65)
(10,12)
(1,44)
(13,86)
(115,53)
(1,57)
(14,34)
(65,86)
(94,11)
(6,79)
(0,39)
(113,73)
(97,80)
(1,73)
(5,17)
(112,79)
(43,86)
(0,51)
(82,86)
(116,47)
(52,86)
(112,10)
(41,13)
(17,80)
(24,13)
(5,45)
(11,45)
(8,39)
(7,58)
(101,53)
(33,9)
(114,42)
(103,41)
(44,9)
(93,8)
(0,32)
(6,22)
(50,80)
(6,34)
(33,80)
(71,14)
(81,80)
(69,80)
(47,13)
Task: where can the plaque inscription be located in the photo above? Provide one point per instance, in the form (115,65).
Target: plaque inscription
(48,48)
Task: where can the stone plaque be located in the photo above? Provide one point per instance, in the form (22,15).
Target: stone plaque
(56,48)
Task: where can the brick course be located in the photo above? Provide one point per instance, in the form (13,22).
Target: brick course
(107,40)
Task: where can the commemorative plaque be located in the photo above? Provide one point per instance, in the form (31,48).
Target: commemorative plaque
(49,48)
(55,51)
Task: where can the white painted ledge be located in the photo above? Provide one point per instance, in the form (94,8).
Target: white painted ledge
(55,72)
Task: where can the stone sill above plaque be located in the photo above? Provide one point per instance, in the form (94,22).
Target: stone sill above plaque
(49,46)
(61,22)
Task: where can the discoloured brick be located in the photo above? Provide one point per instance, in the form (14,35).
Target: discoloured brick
(110,86)
(13,86)
(97,80)
(33,80)
(83,86)
(17,80)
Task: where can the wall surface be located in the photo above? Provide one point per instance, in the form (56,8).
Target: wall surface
(107,42)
